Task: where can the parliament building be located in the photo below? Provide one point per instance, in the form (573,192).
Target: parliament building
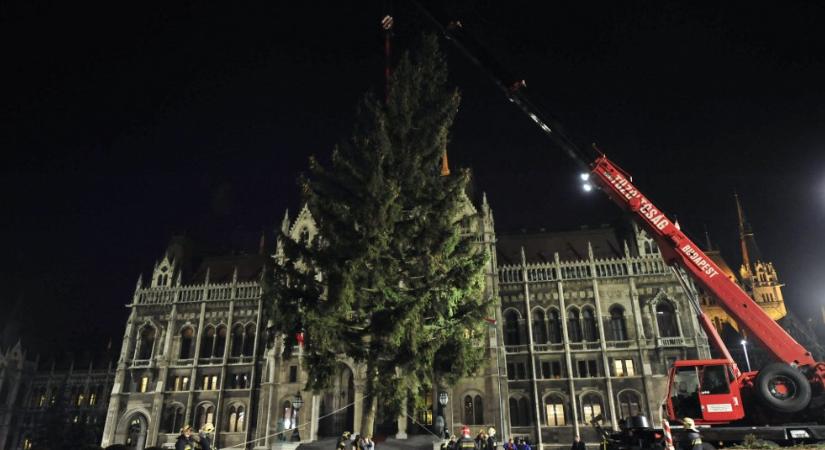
(586,324)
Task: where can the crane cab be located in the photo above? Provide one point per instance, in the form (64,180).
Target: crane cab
(705,390)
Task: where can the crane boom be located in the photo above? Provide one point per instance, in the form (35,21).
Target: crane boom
(677,248)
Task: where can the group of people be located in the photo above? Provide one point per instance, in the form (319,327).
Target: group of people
(484,440)
(355,442)
(201,441)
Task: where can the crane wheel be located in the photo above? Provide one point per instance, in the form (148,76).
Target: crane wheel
(783,388)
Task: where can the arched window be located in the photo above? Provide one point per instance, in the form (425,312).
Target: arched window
(147,342)
(303,236)
(237,341)
(666,319)
(187,342)
(539,327)
(555,327)
(591,407)
(207,342)
(591,333)
(515,419)
(469,413)
(235,419)
(574,325)
(618,329)
(205,413)
(554,411)
(173,418)
(511,334)
(220,341)
(478,408)
(249,340)
(524,411)
(629,404)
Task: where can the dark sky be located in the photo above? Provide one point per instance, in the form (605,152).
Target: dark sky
(125,124)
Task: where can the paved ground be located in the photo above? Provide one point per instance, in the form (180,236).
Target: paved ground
(415,442)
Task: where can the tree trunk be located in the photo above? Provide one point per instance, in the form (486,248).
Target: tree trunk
(370,402)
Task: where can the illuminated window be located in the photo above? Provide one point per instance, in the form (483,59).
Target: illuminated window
(591,407)
(623,368)
(93,399)
(554,410)
(144,384)
(235,423)
(80,398)
(27,443)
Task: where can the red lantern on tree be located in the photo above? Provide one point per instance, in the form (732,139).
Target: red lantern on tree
(299,336)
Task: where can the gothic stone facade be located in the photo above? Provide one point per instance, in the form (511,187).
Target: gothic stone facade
(598,333)
(65,400)
(597,326)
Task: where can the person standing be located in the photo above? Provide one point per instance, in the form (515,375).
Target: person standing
(491,439)
(693,440)
(510,445)
(342,441)
(185,441)
(578,444)
(466,442)
(205,438)
(481,440)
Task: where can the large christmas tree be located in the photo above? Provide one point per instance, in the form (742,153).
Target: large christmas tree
(394,280)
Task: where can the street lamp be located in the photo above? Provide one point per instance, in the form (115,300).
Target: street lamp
(443,399)
(297,403)
(745,349)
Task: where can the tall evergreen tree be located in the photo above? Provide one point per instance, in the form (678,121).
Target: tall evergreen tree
(394,279)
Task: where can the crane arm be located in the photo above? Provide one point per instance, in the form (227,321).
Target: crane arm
(677,248)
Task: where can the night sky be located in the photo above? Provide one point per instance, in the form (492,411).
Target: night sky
(125,125)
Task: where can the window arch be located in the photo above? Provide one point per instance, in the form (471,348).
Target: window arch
(220,341)
(618,328)
(591,406)
(187,342)
(469,410)
(173,418)
(629,404)
(515,419)
(539,327)
(554,411)
(666,320)
(237,341)
(249,340)
(589,327)
(207,342)
(519,412)
(205,413)
(235,419)
(555,327)
(146,344)
(511,328)
(524,411)
(574,325)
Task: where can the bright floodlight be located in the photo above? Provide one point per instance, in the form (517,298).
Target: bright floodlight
(587,187)
(744,342)
(584,176)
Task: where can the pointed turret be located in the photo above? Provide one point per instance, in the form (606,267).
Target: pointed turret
(445,165)
(285,223)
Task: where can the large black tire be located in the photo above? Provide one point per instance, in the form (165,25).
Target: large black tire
(783,388)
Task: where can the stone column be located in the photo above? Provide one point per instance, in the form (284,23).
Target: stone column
(402,421)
